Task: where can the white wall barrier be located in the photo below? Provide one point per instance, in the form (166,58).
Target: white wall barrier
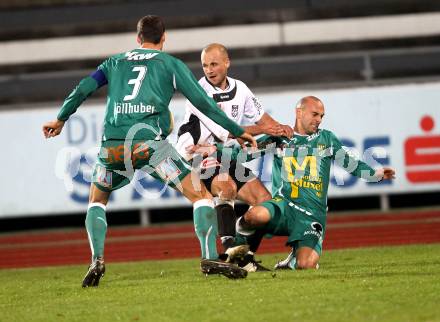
(233,36)
(398,126)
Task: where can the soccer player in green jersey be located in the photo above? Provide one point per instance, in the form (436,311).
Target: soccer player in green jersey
(300,179)
(141,83)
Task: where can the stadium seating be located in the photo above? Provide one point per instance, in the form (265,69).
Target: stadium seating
(292,43)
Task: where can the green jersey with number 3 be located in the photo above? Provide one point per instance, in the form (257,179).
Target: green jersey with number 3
(301,171)
(141,83)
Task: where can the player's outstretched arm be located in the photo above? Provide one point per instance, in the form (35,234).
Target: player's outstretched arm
(267,125)
(53,128)
(85,88)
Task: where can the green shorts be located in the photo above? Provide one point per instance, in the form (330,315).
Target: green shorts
(115,165)
(303,228)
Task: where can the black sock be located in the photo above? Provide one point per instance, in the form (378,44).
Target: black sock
(255,239)
(226,224)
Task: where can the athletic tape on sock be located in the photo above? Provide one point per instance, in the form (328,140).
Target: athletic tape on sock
(97,204)
(225,202)
(203,203)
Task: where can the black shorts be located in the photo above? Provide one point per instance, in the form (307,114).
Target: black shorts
(211,167)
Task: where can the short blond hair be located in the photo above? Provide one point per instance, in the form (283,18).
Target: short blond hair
(217,46)
(303,102)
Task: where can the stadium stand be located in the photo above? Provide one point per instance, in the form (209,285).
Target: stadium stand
(345,42)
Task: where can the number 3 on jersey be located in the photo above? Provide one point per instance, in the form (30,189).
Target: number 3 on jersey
(142,71)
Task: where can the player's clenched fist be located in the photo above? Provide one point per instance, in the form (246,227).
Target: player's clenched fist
(385,173)
(53,128)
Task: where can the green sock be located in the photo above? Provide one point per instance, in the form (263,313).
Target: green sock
(96,225)
(205,223)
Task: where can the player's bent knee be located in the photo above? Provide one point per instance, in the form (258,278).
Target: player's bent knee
(263,197)
(306,264)
(306,258)
(194,189)
(254,193)
(256,198)
(97,195)
(257,216)
(224,189)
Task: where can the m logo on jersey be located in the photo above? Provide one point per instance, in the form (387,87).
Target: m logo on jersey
(297,167)
(234,111)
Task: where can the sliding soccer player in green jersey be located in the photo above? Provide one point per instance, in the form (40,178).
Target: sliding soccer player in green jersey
(141,83)
(300,179)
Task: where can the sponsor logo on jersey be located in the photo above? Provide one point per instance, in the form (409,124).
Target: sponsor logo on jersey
(257,104)
(313,136)
(321,147)
(133,55)
(317,226)
(305,183)
(129,108)
(308,161)
(294,172)
(117,154)
(317,230)
(224,97)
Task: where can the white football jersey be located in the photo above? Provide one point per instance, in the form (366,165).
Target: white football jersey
(238,103)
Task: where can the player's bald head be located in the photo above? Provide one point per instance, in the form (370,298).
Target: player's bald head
(309,114)
(215,64)
(218,48)
(309,102)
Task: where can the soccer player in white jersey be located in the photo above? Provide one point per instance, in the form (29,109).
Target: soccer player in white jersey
(198,134)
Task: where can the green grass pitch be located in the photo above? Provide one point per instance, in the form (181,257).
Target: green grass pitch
(370,284)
